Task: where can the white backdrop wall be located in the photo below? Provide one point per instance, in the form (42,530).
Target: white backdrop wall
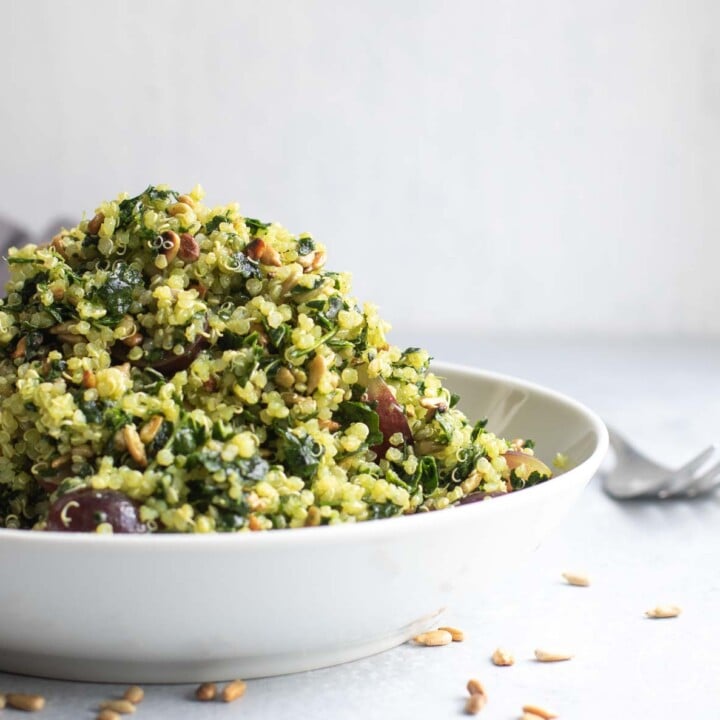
(544,167)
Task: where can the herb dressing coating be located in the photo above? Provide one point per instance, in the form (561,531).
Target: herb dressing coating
(187,369)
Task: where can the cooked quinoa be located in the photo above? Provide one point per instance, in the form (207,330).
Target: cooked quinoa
(166,366)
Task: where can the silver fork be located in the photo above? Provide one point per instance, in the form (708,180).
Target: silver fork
(636,475)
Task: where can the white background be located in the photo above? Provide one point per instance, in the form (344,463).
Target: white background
(518,167)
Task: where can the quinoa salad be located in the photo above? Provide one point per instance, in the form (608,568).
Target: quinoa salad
(167,366)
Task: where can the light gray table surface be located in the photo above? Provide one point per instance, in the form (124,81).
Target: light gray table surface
(666,395)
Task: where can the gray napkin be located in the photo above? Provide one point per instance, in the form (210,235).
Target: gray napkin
(12,235)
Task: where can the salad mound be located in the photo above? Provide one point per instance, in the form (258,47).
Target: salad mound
(171,367)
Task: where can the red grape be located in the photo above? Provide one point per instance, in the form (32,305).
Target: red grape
(83,510)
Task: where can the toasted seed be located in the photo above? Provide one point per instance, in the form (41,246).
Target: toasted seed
(187,200)
(316,369)
(89,380)
(124,707)
(663,611)
(108,715)
(471,482)
(314,518)
(93,227)
(552,655)
(170,245)
(133,340)
(435,403)
(150,429)
(134,694)
(434,638)
(134,445)
(255,248)
(284,378)
(475,687)
(475,703)
(22,701)
(576,579)
(71,338)
(60,461)
(58,245)
(270,256)
(206,691)
(319,259)
(330,425)
(502,658)
(178,208)
(456,634)
(537,711)
(234,690)
(530,716)
(189,248)
(20,348)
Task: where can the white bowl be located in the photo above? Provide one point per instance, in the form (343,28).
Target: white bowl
(179,608)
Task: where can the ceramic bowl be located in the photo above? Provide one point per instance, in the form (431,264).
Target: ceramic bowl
(182,608)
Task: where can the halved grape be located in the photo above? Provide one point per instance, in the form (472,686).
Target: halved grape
(392,416)
(515,458)
(83,510)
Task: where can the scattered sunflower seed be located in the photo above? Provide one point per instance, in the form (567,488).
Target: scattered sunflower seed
(22,701)
(134,694)
(579,579)
(123,707)
(434,638)
(456,634)
(234,690)
(502,658)
(552,656)
(475,687)
(663,611)
(475,703)
(539,712)
(206,691)
(108,715)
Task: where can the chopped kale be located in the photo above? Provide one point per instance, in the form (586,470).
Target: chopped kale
(350,412)
(116,293)
(426,475)
(335,305)
(93,410)
(214,223)
(34,345)
(127,210)
(254,225)
(154,193)
(162,436)
(189,437)
(301,455)
(244,266)
(478,428)
(305,246)
(277,335)
(56,369)
(114,418)
(30,285)
(445,433)
(378,511)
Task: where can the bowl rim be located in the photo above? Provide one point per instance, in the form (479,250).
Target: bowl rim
(375,530)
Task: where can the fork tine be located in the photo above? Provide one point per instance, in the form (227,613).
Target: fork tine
(683,480)
(706,482)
